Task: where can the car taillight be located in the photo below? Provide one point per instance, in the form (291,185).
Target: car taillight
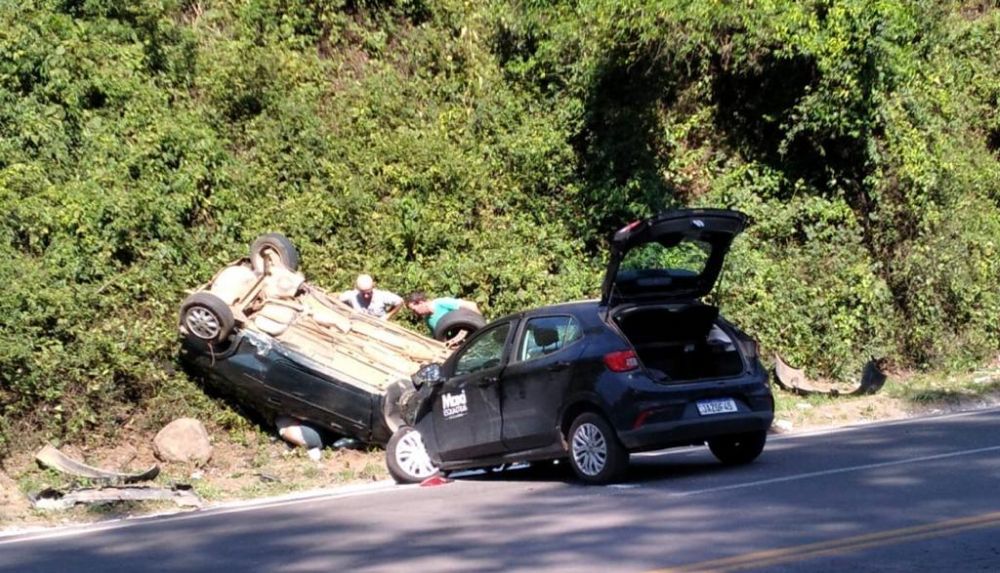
(621,361)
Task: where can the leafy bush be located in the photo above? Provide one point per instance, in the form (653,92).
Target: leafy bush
(486,151)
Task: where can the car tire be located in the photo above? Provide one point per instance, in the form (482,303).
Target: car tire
(205,319)
(457,322)
(595,453)
(280,246)
(406,457)
(738,449)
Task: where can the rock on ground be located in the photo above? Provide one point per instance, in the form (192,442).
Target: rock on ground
(183,440)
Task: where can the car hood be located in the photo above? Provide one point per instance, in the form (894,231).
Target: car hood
(674,255)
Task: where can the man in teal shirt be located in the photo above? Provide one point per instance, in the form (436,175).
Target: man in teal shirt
(431,310)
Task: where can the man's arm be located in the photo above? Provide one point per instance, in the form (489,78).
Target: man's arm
(469,305)
(393,302)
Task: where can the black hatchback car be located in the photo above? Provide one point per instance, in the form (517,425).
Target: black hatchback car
(648,366)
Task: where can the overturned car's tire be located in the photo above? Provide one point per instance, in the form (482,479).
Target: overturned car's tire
(206,319)
(458,325)
(274,244)
(406,457)
(738,449)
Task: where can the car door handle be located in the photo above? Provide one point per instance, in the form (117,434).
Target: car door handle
(561,365)
(484,382)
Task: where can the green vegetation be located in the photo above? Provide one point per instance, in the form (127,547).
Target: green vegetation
(486,150)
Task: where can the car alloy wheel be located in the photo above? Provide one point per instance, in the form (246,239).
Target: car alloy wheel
(410,457)
(202,323)
(590,449)
(205,319)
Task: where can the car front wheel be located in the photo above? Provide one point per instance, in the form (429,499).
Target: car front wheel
(594,450)
(406,457)
(738,449)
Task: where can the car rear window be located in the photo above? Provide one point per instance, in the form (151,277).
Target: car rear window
(687,257)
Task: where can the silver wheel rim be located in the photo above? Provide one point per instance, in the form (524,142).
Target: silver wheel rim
(590,449)
(202,323)
(412,458)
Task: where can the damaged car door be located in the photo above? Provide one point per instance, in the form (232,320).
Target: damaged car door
(306,393)
(537,380)
(466,411)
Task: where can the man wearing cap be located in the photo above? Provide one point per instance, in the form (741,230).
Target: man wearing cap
(370,300)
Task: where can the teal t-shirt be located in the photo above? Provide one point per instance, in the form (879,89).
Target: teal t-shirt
(441,306)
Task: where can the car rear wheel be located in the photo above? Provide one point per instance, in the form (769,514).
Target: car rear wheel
(738,449)
(206,319)
(594,450)
(406,457)
(457,325)
(273,245)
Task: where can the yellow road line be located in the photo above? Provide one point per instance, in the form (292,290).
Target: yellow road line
(838,546)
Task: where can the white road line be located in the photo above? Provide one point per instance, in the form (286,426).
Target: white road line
(883,423)
(835,471)
(222,509)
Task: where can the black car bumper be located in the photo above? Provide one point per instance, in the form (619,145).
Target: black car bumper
(693,430)
(671,417)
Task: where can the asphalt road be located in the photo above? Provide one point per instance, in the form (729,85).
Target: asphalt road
(918,495)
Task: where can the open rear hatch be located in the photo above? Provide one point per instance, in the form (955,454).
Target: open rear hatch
(673,256)
(658,271)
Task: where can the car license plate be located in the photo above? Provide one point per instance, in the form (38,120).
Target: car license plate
(716,406)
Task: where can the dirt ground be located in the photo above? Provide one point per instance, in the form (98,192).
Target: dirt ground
(244,466)
(249,464)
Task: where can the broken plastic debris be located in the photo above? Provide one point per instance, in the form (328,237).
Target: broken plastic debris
(50,456)
(348,443)
(435,481)
(794,380)
(55,499)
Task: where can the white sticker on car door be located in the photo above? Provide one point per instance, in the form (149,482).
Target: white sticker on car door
(454,405)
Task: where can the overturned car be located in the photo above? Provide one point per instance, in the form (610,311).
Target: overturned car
(262,335)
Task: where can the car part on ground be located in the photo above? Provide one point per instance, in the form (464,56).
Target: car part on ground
(278,345)
(795,380)
(52,499)
(648,366)
(51,457)
(406,457)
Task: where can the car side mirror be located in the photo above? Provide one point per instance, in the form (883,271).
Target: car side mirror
(429,374)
